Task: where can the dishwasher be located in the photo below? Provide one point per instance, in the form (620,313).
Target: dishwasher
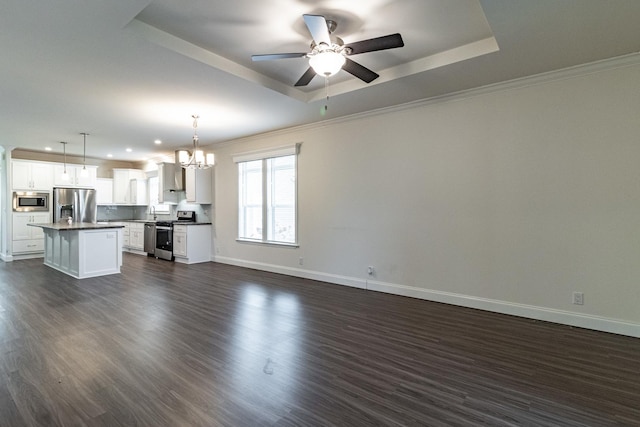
(150,238)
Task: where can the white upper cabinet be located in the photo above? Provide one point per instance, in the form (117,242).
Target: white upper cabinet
(138,192)
(104,191)
(198,185)
(27,175)
(76,177)
(122,185)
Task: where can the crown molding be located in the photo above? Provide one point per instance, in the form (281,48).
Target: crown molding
(519,83)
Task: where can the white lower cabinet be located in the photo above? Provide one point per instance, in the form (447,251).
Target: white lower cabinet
(28,239)
(133,235)
(136,236)
(179,241)
(126,234)
(192,243)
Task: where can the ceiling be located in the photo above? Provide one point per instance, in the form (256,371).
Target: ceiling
(129,72)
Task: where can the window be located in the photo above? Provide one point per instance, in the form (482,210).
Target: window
(267,196)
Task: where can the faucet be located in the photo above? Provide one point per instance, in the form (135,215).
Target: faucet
(153,210)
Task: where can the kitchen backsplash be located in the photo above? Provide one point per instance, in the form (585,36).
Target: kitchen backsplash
(115,213)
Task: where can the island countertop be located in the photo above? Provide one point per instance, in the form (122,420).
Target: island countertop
(62,226)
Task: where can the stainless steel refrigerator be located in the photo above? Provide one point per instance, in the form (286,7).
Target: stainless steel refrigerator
(77,203)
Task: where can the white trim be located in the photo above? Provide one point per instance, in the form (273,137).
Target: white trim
(598,323)
(267,153)
(7,258)
(267,243)
(570,318)
(296,272)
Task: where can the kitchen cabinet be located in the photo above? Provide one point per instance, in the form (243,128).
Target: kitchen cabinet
(28,239)
(122,184)
(27,175)
(180,241)
(83,250)
(198,185)
(104,191)
(76,178)
(192,243)
(138,192)
(136,236)
(126,234)
(133,235)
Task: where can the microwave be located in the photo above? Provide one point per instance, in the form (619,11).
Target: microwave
(29,201)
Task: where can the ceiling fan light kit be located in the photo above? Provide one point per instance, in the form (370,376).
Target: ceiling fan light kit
(327,63)
(328,56)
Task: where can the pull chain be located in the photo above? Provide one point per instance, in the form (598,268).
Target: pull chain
(326,88)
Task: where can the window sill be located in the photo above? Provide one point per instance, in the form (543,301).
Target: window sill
(264,243)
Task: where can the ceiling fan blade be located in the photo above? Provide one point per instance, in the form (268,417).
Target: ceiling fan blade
(317,26)
(271,56)
(306,77)
(359,71)
(379,43)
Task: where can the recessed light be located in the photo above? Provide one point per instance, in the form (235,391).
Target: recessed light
(157,142)
(47,148)
(129,150)
(109,155)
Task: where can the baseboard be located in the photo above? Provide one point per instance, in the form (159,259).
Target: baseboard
(134,251)
(580,320)
(10,258)
(604,324)
(297,272)
(6,258)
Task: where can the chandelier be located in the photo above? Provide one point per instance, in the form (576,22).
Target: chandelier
(197,159)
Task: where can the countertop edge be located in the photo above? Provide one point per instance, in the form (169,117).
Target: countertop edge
(75,226)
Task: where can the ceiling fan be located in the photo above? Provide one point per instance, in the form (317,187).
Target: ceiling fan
(329,54)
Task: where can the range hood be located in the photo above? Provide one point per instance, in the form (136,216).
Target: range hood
(171,177)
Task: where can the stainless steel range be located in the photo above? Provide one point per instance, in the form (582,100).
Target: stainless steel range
(164,234)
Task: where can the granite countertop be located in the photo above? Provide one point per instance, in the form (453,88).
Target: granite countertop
(61,226)
(127,220)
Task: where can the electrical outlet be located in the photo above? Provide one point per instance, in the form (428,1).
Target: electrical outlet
(300,261)
(371,271)
(578,298)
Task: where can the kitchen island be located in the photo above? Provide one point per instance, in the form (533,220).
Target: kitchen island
(83,249)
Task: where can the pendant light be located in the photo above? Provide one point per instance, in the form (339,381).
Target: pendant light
(198,159)
(84,172)
(65,175)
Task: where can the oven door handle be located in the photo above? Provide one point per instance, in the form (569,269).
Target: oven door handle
(162,228)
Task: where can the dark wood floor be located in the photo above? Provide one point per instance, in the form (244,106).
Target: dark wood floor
(165,344)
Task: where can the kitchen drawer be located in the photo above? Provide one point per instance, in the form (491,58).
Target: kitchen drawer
(25,246)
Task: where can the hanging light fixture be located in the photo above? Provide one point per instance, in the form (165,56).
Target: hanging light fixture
(197,159)
(65,175)
(84,172)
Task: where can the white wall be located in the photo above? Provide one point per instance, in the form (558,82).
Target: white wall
(507,200)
